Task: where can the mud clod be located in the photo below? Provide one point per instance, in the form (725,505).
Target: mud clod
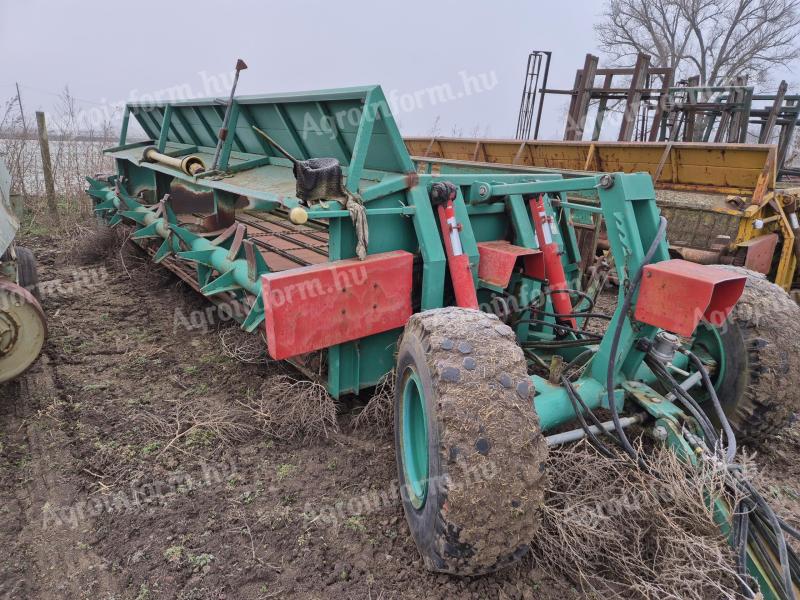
(451,374)
(505,380)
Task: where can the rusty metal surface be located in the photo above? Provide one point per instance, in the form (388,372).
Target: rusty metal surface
(285,245)
(698,228)
(697,255)
(729,168)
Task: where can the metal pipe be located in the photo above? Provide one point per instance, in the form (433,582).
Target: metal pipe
(223,132)
(686,384)
(577,434)
(541,96)
(191,165)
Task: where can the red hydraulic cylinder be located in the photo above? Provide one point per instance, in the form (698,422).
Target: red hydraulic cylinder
(457,261)
(553,267)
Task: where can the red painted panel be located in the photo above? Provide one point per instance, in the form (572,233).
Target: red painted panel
(676,294)
(499,257)
(323,305)
(760,252)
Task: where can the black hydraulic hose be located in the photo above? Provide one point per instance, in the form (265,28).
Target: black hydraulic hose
(775,524)
(763,509)
(577,360)
(741,524)
(685,398)
(623,311)
(789,564)
(566,328)
(575,399)
(595,421)
(750,526)
(583,295)
(756,545)
(723,419)
(790,530)
(573,314)
(556,344)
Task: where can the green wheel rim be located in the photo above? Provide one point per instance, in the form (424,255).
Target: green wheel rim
(414,440)
(708,342)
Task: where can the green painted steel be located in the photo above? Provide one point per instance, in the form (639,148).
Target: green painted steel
(356,127)
(330,123)
(414,440)
(8,219)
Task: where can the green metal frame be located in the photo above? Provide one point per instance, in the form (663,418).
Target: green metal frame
(356,126)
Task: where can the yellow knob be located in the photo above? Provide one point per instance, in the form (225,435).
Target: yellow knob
(298,215)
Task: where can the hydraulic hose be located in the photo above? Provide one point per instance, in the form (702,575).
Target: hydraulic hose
(626,305)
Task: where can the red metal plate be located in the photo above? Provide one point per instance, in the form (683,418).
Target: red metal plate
(499,257)
(760,251)
(319,306)
(676,294)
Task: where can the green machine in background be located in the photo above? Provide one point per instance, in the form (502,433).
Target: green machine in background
(323,233)
(23,327)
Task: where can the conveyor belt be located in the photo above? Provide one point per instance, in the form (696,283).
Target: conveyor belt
(283,244)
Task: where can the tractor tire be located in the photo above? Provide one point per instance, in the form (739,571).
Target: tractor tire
(27,273)
(470,453)
(759,388)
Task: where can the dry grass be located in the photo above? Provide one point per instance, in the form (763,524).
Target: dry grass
(93,245)
(288,408)
(197,421)
(76,145)
(620,532)
(248,348)
(378,414)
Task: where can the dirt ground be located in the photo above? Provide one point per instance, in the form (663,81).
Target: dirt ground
(131,468)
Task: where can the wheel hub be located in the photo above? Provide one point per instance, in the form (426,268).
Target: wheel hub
(414,440)
(23,329)
(9,332)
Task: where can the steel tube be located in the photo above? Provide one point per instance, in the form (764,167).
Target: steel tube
(577,434)
(191,165)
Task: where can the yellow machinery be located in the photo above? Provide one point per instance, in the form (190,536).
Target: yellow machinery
(722,200)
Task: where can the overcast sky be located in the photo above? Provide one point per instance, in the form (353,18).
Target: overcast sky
(109,51)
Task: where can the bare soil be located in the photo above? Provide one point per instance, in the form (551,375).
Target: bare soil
(98,499)
(131,468)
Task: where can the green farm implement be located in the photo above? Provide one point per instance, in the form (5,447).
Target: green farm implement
(317,228)
(23,327)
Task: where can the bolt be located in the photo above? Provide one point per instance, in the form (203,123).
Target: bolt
(660,433)
(606,181)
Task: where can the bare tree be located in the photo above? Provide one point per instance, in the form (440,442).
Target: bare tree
(718,40)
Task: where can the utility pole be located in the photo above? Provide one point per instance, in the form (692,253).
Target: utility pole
(47,166)
(21,112)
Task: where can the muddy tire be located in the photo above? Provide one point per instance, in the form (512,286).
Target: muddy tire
(760,382)
(469,450)
(27,273)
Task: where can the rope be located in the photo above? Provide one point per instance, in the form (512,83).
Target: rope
(358,214)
